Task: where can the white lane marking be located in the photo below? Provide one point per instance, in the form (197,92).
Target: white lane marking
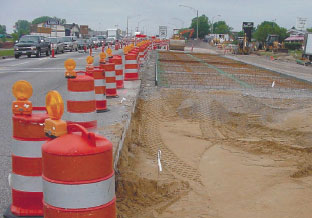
(13,65)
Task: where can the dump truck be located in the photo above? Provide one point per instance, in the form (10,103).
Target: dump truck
(177,42)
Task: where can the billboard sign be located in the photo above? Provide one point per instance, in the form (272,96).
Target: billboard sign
(84,29)
(53,21)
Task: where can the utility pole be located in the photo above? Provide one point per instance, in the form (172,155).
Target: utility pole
(196,15)
(197,24)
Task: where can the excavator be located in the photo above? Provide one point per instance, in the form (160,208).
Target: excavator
(243,45)
(177,42)
(244,42)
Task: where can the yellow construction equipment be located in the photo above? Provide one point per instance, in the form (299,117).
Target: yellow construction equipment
(177,42)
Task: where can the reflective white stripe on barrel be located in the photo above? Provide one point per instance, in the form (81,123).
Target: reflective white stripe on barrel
(31,149)
(118,67)
(100,97)
(119,77)
(131,70)
(99,82)
(80,96)
(79,196)
(26,183)
(82,117)
(110,85)
(110,74)
(131,62)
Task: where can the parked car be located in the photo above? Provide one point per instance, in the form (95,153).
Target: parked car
(102,40)
(31,45)
(89,43)
(70,43)
(82,43)
(57,44)
(110,41)
(95,41)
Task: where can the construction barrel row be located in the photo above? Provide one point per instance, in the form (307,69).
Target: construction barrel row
(52,177)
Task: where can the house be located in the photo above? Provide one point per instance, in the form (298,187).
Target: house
(72,30)
(295,35)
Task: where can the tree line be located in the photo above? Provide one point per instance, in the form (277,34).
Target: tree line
(205,27)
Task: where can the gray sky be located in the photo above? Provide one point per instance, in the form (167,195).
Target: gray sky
(103,14)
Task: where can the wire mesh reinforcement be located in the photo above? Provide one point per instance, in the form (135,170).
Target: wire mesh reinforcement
(176,69)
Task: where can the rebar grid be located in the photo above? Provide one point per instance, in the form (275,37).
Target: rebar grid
(177,69)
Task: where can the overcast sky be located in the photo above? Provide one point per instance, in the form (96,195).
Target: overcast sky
(103,14)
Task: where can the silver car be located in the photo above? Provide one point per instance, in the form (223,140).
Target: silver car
(70,43)
(57,44)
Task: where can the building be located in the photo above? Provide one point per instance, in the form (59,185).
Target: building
(72,30)
(48,30)
(295,35)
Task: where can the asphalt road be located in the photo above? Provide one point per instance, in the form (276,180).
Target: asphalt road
(44,74)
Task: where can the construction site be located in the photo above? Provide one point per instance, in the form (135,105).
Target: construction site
(215,137)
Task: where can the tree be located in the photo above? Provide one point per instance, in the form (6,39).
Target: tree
(221,27)
(203,26)
(22,27)
(44,19)
(267,28)
(2,29)
(309,30)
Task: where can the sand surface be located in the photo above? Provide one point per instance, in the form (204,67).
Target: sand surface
(224,154)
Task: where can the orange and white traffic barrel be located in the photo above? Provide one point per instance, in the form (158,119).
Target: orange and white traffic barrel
(26,181)
(78,176)
(131,67)
(100,89)
(110,77)
(141,55)
(117,60)
(81,104)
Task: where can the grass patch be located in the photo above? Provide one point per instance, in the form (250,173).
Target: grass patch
(9,52)
(268,54)
(297,54)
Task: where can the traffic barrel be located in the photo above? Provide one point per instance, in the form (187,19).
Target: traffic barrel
(89,67)
(141,55)
(26,182)
(28,134)
(110,79)
(100,89)
(78,176)
(131,67)
(81,101)
(102,60)
(117,60)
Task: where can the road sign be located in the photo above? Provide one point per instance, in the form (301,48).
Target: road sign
(53,21)
(162,31)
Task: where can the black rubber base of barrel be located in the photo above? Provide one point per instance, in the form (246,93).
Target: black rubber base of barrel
(9,214)
(112,96)
(102,111)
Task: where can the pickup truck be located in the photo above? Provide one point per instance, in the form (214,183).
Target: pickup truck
(31,45)
(70,43)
